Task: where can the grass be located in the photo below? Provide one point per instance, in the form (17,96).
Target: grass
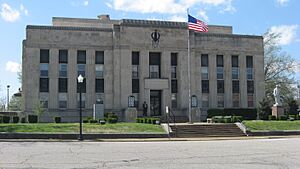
(87,128)
(259,125)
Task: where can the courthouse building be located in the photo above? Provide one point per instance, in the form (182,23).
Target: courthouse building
(141,58)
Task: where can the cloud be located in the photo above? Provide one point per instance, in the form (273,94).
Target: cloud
(203,15)
(86,3)
(165,6)
(9,14)
(23,9)
(282,2)
(13,67)
(178,18)
(79,3)
(287,33)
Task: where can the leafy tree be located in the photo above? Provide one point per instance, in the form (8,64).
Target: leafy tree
(292,107)
(279,67)
(264,108)
(39,110)
(15,103)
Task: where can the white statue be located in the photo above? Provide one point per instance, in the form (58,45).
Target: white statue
(276,94)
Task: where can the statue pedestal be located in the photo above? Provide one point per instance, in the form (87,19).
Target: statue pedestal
(130,115)
(196,115)
(277,111)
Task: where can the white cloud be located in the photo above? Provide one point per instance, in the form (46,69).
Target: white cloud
(9,14)
(86,3)
(282,2)
(164,6)
(13,67)
(23,9)
(203,15)
(287,33)
(178,18)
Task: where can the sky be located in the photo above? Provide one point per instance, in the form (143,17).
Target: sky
(251,17)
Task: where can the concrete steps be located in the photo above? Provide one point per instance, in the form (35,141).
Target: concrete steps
(207,130)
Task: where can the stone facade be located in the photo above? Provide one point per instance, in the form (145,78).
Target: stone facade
(118,39)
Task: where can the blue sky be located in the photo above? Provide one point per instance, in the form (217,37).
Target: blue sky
(253,17)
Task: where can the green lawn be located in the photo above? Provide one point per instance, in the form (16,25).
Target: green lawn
(259,125)
(87,128)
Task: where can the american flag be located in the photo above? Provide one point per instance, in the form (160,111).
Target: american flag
(196,25)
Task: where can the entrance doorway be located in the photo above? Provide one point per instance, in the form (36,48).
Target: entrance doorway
(155,103)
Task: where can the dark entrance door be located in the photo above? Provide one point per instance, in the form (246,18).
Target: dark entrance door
(155,102)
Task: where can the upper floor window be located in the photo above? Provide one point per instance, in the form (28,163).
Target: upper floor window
(63,56)
(220,86)
(220,62)
(135,58)
(44,56)
(249,64)
(173,65)
(205,86)
(173,72)
(99,70)
(174,86)
(204,60)
(250,86)
(81,70)
(99,86)
(44,67)
(135,86)
(62,85)
(63,70)
(44,85)
(235,61)
(154,64)
(154,71)
(204,73)
(99,57)
(235,73)
(81,57)
(235,86)
(135,71)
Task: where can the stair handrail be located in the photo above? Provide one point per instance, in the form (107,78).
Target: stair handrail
(174,121)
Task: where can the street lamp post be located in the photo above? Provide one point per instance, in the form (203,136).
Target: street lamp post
(8,97)
(80,81)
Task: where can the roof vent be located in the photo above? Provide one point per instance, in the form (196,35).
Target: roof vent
(104,17)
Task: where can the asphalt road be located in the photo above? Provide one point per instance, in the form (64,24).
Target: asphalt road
(259,153)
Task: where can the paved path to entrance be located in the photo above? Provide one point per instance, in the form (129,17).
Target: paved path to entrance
(258,153)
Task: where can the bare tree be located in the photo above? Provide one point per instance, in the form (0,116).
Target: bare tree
(279,66)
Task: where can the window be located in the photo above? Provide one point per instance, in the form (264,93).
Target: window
(44,56)
(63,70)
(82,100)
(136,99)
(220,86)
(173,59)
(249,73)
(99,70)
(220,62)
(204,73)
(220,72)
(83,86)
(220,100)
(99,86)
(135,58)
(81,70)
(62,103)
(235,73)
(44,67)
(173,72)
(235,61)
(135,86)
(249,61)
(135,71)
(235,100)
(99,57)
(174,100)
(44,85)
(250,100)
(100,98)
(205,101)
(63,85)
(44,97)
(250,86)
(154,65)
(235,86)
(154,71)
(204,60)
(174,86)
(63,56)
(81,57)
(205,86)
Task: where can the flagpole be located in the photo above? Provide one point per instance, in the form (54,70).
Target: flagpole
(189,74)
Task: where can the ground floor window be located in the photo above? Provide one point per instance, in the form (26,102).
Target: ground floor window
(250,99)
(174,100)
(235,100)
(62,100)
(220,100)
(82,100)
(205,101)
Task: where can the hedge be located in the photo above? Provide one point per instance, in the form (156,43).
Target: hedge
(247,114)
(148,120)
(32,118)
(6,119)
(16,119)
(57,119)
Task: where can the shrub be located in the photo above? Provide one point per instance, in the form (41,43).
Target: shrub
(1,119)
(93,121)
(85,120)
(297,117)
(142,120)
(57,119)
(217,119)
(282,118)
(111,120)
(247,114)
(32,118)
(227,119)
(6,119)
(237,119)
(271,117)
(16,119)
(111,115)
(23,120)
(154,120)
(102,121)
